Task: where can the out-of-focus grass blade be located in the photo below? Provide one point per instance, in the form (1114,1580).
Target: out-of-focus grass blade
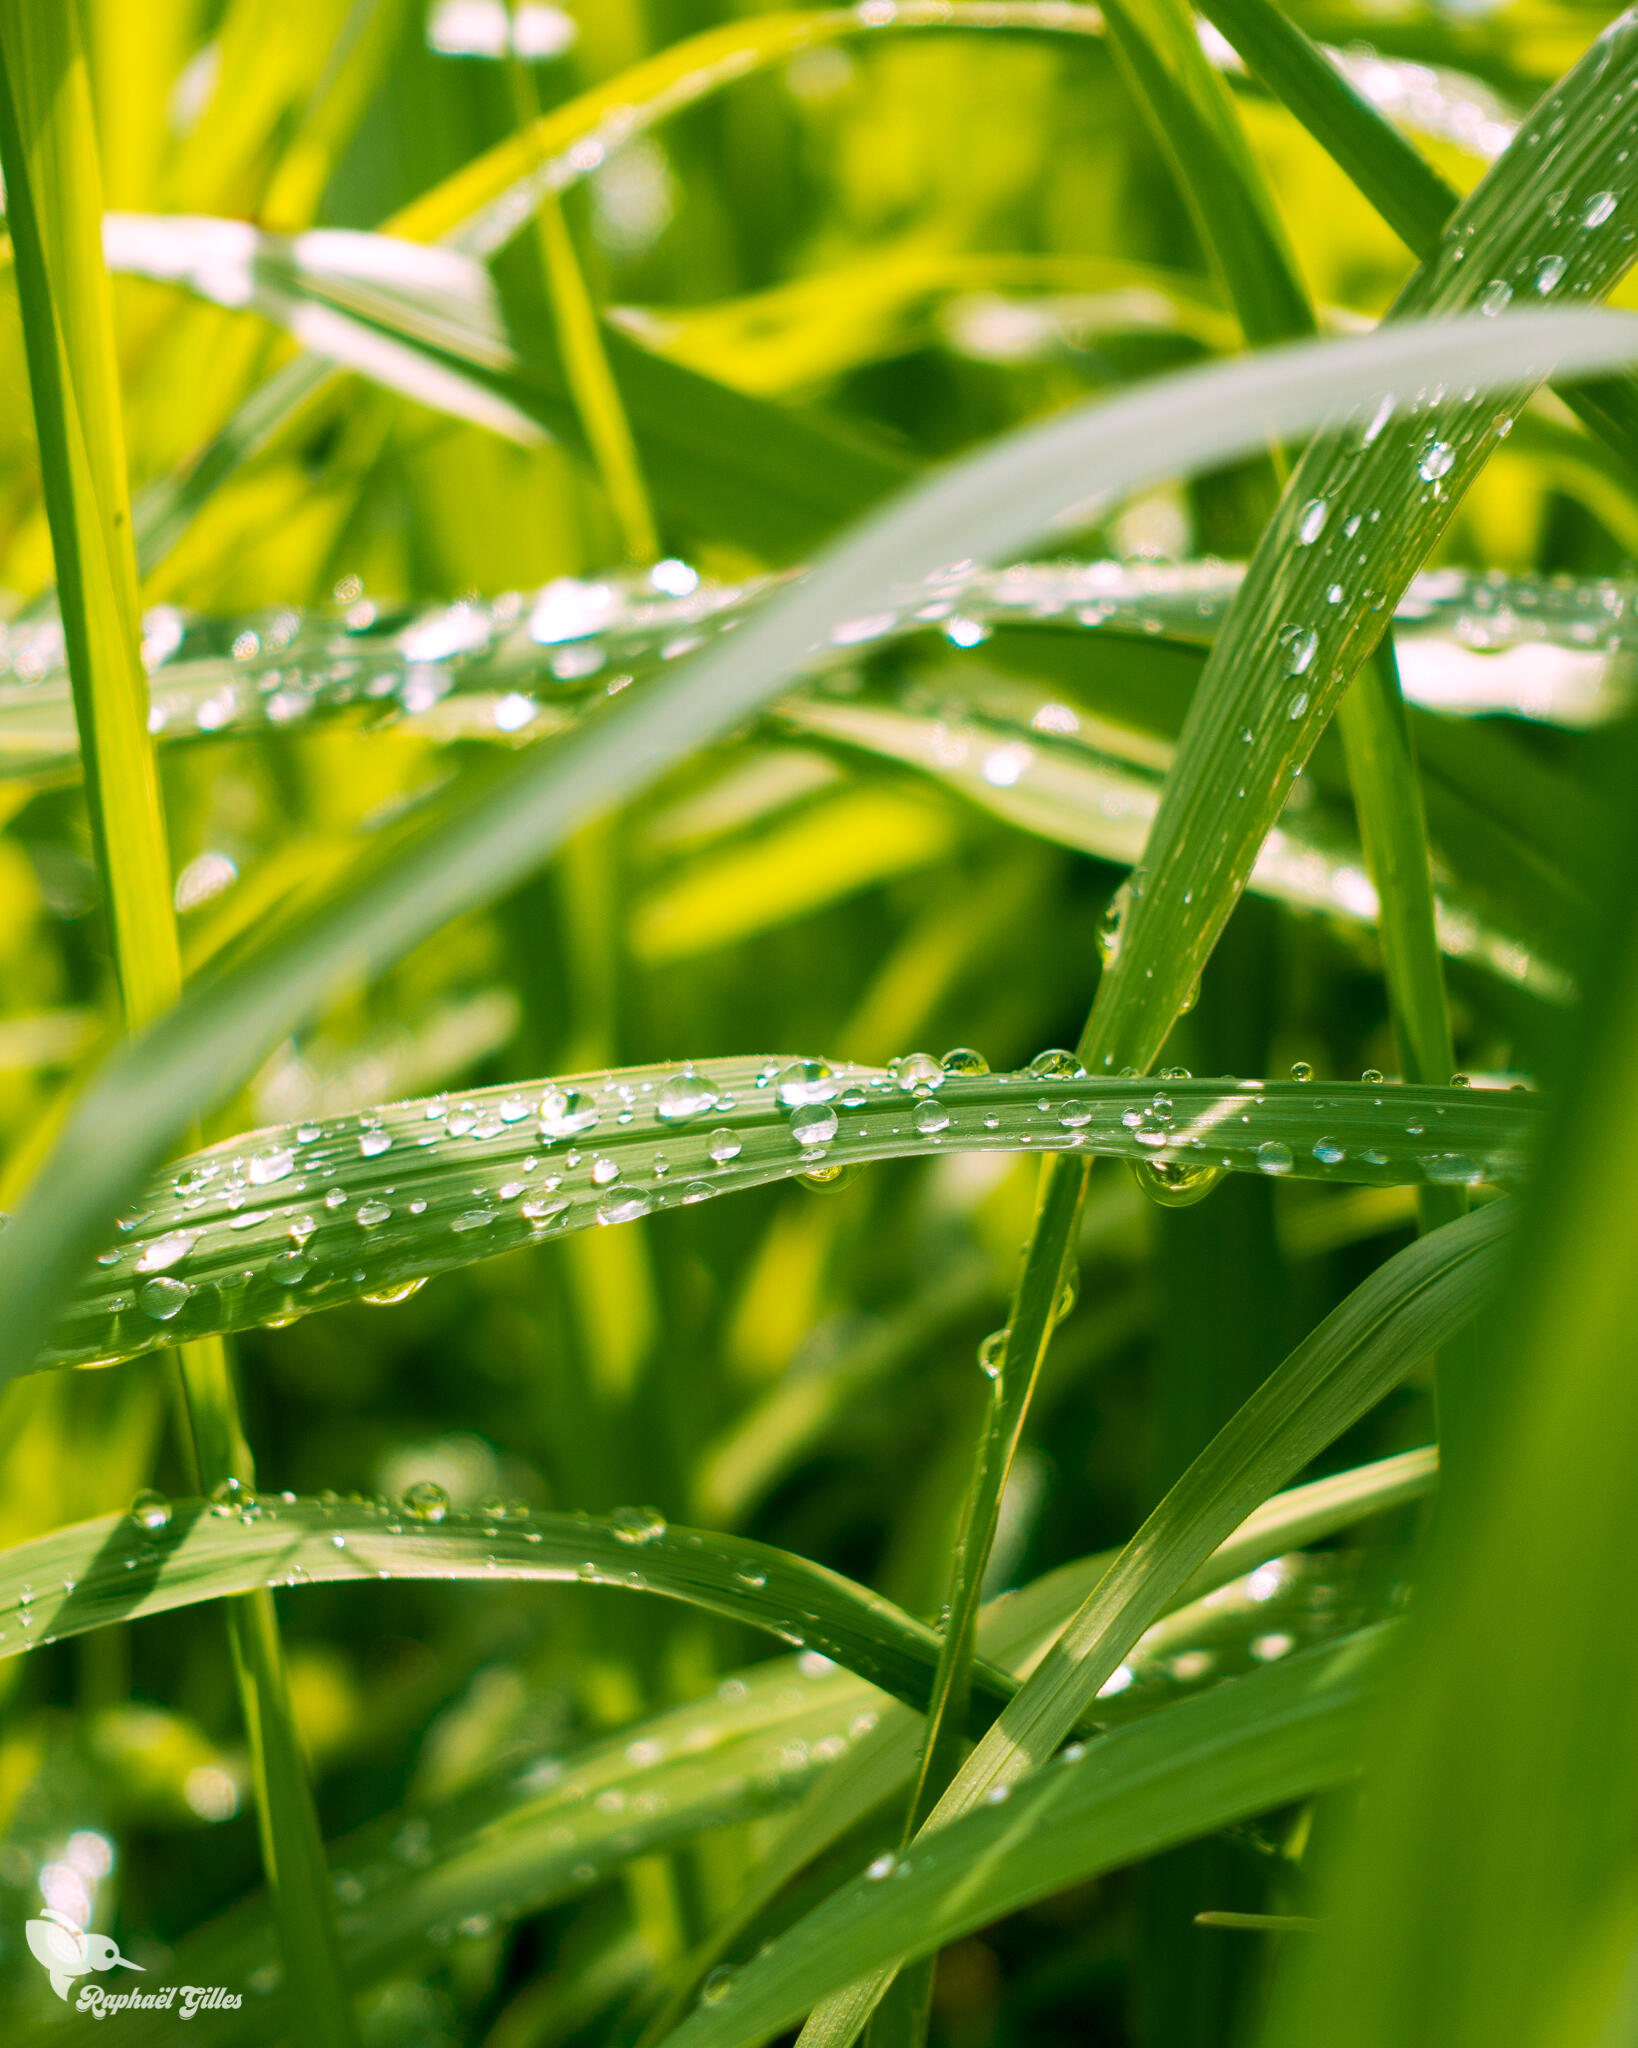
(1193,117)
(1410,195)
(1489,1882)
(283,1222)
(53,211)
(1244,1747)
(427,322)
(990,504)
(1359,515)
(120,1568)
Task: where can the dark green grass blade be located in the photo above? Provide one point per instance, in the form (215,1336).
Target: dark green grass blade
(1245,1747)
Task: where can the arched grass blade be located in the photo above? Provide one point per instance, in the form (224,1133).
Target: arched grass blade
(283,1222)
(991,504)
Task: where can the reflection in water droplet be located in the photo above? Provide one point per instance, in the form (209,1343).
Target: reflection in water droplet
(164,1298)
(400,1290)
(815,1124)
(961,1059)
(931,1118)
(682,1096)
(426,1501)
(1056,1065)
(151,1510)
(723,1145)
(1301,1070)
(805,1081)
(637,1526)
(1273,1157)
(1172,1184)
(916,1070)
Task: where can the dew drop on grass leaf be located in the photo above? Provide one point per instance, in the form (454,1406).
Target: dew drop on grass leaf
(917,1070)
(426,1501)
(991,1354)
(1438,461)
(400,1290)
(804,1082)
(1176,1184)
(164,1298)
(165,1252)
(717,1985)
(682,1096)
(961,1061)
(637,1526)
(1273,1157)
(1055,1064)
(723,1145)
(269,1165)
(813,1125)
(151,1510)
(1302,1070)
(930,1118)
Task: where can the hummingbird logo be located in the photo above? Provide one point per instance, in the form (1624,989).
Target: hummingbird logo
(68,1951)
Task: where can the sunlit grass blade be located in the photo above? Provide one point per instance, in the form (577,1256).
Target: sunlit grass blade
(287,1221)
(1358,517)
(990,504)
(1411,196)
(1245,1747)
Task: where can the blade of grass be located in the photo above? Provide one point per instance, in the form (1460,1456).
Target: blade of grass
(990,504)
(48,150)
(1247,1746)
(1402,1313)
(284,1222)
(1488,1883)
(1415,201)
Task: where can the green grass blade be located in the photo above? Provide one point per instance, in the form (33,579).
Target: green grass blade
(1487,1883)
(1247,1746)
(49,151)
(1407,1308)
(120,1570)
(1410,195)
(1374,501)
(300,1218)
(990,504)
(1193,117)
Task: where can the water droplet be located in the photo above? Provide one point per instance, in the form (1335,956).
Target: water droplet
(1329,1152)
(1301,1071)
(1312,523)
(566,1111)
(373,1143)
(962,1060)
(816,1124)
(1598,210)
(164,1298)
(882,1865)
(1496,297)
(164,1252)
(752,1577)
(931,1118)
(723,1145)
(1056,1065)
(1113,922)
(400,1290)
(825,1179)
(1297,706)
(683,1095)
(542,1210)
(1273,1157)
(369,1214)
(230,1497)
(805,1081)
(1372,1075)
(270,1164)
(916,1070)
(637,1526)
(1301,647)
(151,1510)
(1074,1115)
(469,1219)
(991,1353)
(622,1208)
(1549,271)
(1175,1184)
(426,1501)
(604,1170)
(1436,462)
(1460,1081)
(717,1985)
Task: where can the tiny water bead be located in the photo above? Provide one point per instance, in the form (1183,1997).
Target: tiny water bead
(637,1526)
(426,1501)
(151,1510)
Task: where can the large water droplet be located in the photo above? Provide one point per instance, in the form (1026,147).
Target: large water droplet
(167,1251)
(369,1214)
(1173,1184)
(151,1510)
(1496,297)
(962,1060)
(426,1501)
(717,1985)
(270,1164)
(230,1497)
(931,1118)
(682,1096)
(1549,271)
(164,1298)
(1312,523)
(805,1081)
(1437,461)
(373,1143)
(400,1290)
(917,1070)
(815,1124)
(1598,209)
(1301,647)
(1055,1064)
(1273,1157)
(637,1526)
(566,1111)
(723,1145)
